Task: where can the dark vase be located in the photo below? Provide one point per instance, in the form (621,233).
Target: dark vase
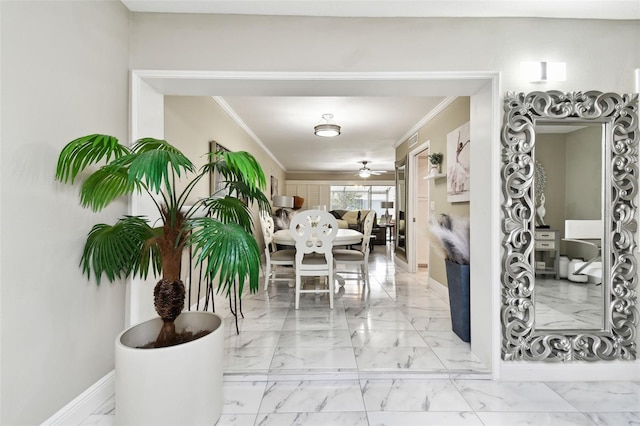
(459,299)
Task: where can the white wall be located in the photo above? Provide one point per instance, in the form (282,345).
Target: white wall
(266,43)
(64,74)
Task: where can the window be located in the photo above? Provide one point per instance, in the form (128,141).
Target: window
(358,197)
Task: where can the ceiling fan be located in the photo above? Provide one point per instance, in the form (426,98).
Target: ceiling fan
(365,172)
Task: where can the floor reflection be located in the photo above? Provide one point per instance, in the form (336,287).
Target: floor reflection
(562,304)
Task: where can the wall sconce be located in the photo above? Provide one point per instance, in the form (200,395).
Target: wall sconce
(541,72)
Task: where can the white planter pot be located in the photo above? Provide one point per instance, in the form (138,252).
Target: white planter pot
(176,385)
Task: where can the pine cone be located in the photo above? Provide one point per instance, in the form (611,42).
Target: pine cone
(168,299)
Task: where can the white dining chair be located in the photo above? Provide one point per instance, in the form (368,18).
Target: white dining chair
(357,257)
(273,256)
(314,232)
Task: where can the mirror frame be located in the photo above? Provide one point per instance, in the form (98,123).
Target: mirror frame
(401,251)
(619,113)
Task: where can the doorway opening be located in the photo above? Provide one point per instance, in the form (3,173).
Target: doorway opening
(149,87)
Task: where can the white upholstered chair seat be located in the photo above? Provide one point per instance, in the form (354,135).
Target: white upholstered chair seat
(280,255)
(348,255)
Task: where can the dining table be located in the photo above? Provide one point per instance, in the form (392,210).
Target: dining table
(344,237)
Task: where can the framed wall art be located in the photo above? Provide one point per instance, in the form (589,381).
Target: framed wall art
(274,187)
(216,180)
(458,164)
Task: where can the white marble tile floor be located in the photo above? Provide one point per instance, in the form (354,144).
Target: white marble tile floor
(408,402)
(384,356)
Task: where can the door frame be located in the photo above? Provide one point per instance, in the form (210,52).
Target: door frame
(412,202)
(148,88)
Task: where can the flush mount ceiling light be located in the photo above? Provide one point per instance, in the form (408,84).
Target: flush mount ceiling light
(328,129)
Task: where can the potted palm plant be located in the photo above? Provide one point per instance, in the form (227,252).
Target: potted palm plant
(177,378)
(451,235)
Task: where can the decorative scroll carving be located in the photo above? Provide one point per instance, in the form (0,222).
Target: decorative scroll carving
(620,114)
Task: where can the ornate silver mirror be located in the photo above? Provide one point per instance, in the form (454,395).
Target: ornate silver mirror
(570,188)
(401,209)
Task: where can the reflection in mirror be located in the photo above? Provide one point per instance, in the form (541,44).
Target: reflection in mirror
(589,213)
(568,235)
(401,203)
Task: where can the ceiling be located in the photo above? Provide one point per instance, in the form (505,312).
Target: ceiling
(371,125)
(586,9)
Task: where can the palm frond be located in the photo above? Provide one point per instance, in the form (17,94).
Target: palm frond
(105,185)
(237,166)
(228,252)
(151,161)
(244,191)
(120,250)
(85,151)
(230,210)
(245,165)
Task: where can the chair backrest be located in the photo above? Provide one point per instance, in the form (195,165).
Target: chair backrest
(268,227)
(314,232)
(583,229)
(367,228)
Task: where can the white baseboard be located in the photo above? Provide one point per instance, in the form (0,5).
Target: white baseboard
(569,372)
(86,403)
(439,288)
(401,263)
